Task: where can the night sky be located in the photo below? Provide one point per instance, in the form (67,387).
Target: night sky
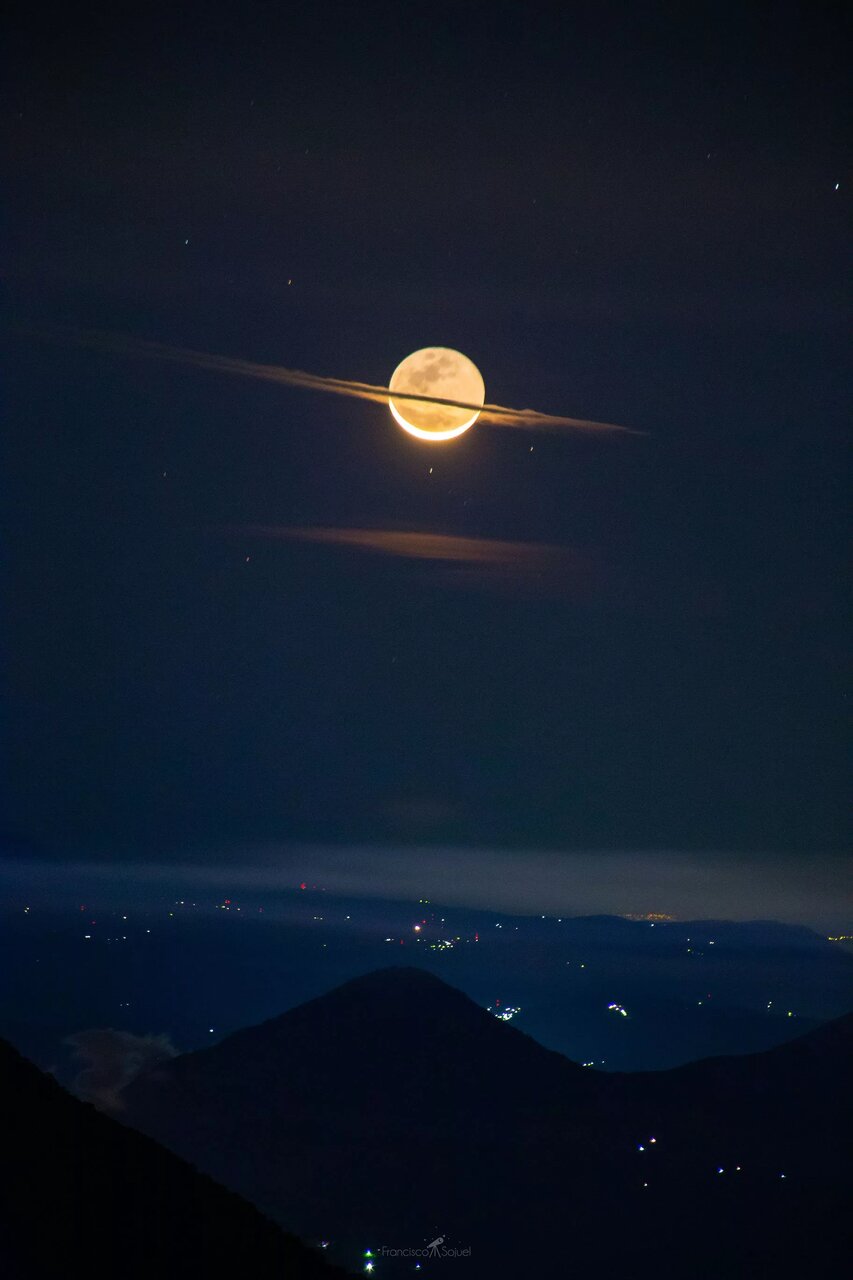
(631,213)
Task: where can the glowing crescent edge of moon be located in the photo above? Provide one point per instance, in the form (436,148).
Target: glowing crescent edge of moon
(421,434)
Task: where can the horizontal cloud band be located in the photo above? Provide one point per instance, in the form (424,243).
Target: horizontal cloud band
(498,415)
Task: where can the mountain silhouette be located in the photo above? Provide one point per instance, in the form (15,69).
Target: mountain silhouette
(81,1194)
(395,1109)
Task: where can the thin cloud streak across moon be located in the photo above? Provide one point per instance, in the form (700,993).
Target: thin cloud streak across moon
(495,414)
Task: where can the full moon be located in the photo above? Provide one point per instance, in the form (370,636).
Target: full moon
(445,374)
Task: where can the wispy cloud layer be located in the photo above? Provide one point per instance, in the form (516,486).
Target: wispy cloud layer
(489,562)
(495,414)
(688,884)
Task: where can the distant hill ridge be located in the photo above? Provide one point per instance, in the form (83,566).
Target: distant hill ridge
(394,1107)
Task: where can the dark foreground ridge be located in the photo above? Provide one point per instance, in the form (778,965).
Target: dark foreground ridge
(394,1109)
(82,1195)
